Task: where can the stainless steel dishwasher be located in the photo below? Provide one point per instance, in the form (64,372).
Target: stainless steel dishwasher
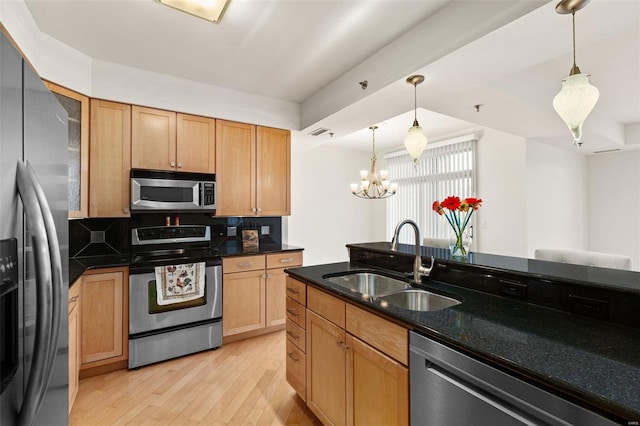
(450,388)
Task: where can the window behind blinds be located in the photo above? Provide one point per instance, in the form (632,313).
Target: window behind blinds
(442,170)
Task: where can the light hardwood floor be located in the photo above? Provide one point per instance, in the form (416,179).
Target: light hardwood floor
(241,383)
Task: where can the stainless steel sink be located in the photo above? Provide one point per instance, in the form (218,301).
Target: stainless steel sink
(367,283)
(417,300)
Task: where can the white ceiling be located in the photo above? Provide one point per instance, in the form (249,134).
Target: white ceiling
(315,52)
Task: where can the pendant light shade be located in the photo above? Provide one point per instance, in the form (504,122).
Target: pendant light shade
(577,97)
(415,141)
(574,103)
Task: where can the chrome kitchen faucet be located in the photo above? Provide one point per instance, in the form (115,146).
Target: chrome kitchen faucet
(418,270)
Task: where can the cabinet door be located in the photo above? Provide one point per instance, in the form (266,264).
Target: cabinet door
(276,297)
(235,169)
(326,370)
(103,323)
(110,159)
(153,139)
(377,387)
(243,302)
(195,144)
(74,341)
(273,172)
(77,107)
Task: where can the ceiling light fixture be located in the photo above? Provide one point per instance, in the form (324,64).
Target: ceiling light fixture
(211,10)
(376,185)
(415,141)
(577,97)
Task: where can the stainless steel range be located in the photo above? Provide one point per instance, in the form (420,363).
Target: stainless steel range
(175,293)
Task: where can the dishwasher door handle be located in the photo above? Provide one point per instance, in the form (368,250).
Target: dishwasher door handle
(478,393)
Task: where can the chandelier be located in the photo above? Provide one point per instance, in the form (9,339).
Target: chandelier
(577,97)
(374,184)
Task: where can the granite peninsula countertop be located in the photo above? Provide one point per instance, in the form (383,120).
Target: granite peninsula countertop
(591,362)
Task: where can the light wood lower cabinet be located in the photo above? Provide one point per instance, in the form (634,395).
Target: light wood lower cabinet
(254,289)
(74,341)
(326,370)
(356,360)
(104,317)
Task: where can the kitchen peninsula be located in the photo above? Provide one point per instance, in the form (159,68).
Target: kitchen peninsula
(573,339)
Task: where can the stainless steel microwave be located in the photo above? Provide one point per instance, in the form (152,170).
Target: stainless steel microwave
(161,191)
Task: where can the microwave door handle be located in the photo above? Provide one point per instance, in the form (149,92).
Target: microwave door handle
(34,392)
(56,272)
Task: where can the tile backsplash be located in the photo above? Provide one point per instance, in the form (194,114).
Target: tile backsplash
(98,237)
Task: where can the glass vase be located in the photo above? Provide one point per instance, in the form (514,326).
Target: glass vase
(460,243)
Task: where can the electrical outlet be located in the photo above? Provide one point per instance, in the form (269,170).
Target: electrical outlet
(231,231)
(264,230)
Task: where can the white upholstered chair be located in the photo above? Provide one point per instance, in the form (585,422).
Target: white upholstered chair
(590,258)
(442,243)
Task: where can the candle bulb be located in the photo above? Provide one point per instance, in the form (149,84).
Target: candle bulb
(383,175)
(364,174)
(385,184)
(354,188)
(394,187)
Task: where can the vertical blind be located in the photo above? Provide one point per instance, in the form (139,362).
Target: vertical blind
(442,170)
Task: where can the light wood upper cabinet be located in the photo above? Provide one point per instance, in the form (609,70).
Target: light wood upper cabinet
(153,139)
(253,170)
(195,144)
(77,107)
(235,169)
(166,140)
(273,172)
(110,159)
(104,317)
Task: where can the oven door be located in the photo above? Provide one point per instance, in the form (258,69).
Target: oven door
(145,315)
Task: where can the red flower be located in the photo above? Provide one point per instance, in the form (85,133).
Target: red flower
(437,207)
(451,203)
(474,202)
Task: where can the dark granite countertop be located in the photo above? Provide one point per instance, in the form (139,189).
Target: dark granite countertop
(78,265)
(591,362)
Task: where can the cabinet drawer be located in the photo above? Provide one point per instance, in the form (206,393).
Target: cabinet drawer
(384,335)
(296,312)
(296,369)
(243,263)
(284,260)
(296,335)
(326,306)
(74,295)
(297,290)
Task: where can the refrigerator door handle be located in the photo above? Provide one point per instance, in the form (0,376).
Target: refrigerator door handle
(36,384)
(56,272)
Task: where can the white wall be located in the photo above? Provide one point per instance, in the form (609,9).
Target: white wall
(614,204)
(501,222)
(556,198)
(325,216)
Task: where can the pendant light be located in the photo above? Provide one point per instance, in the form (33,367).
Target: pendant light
(374,185)
(415,141)
(577,97)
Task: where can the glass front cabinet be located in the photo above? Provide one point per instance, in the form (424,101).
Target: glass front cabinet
(77,107)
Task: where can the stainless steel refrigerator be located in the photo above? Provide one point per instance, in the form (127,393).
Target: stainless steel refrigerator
(33,248)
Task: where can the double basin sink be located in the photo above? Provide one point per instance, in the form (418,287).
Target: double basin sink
(386,291)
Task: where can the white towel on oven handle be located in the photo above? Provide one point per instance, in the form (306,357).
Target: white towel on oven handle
(180,283)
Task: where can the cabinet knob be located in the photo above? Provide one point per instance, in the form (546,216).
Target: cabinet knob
(244,265)
(259,210)
(253,209)
(179,165)
(293,356)
(292,290)
(173,164)
(75,299)
(292,334)
(292,312)
(286,260)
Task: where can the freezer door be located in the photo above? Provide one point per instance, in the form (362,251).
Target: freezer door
(45,148)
